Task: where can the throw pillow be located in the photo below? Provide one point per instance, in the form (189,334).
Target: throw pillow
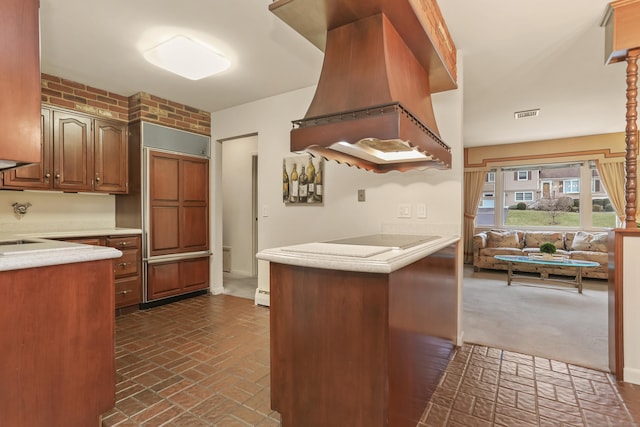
(502,239)
(584,241)
(533,239)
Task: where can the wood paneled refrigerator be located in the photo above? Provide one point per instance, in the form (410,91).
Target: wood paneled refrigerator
(171,205)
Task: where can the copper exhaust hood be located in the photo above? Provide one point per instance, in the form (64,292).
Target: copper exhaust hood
(372,106)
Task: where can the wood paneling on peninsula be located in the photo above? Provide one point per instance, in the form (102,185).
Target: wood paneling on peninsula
(360,349)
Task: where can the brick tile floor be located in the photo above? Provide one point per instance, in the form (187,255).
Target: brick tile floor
(485,386)
(204,361)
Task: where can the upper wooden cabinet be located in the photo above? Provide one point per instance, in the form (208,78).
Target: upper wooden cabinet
(110,171)
(80,153)
(20,82)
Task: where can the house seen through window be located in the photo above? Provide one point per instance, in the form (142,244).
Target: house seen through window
(547,195)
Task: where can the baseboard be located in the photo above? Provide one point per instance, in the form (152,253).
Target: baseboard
(262,297)
(632,375)
(217,290)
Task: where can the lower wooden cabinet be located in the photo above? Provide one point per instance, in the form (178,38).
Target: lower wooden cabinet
(171,278)
(128,283)
(127,269)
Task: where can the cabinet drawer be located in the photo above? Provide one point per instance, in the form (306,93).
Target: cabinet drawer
(128,264)
(124,242)
(96,241)
(128,291)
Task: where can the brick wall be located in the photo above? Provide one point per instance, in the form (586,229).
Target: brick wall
(140,106)
(83,98)
(150,108)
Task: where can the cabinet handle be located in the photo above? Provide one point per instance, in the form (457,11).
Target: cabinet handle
(128,291)
(97,178)
(57,175)
(122,244)
(123,264)
(47,175)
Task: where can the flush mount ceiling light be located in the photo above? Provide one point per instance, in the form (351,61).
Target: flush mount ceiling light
(187,58)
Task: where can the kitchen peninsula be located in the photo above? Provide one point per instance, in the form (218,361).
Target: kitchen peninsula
(58,332)
(361,329)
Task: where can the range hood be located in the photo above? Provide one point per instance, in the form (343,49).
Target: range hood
(372,106)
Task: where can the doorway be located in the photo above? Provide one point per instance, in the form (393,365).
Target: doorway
(239,186)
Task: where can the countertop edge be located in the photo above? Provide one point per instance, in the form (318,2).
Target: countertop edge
(387,263)
(82,233)
(83,253)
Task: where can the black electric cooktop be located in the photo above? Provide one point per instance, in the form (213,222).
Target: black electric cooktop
(402,241)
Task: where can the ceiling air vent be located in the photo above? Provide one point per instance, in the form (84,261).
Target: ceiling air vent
(527,113)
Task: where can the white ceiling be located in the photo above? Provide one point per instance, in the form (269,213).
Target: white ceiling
(545,54)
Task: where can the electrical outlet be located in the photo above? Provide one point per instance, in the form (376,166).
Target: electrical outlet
(361,196)
(421,210)
(404,210)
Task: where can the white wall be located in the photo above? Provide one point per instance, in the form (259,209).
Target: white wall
(341,215)
(237,217)
(54,211)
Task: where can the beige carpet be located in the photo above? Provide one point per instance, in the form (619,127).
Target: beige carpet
(550,321)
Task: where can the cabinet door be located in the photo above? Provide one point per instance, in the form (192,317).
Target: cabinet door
(72,152)
(20,81)
(163,280)
(195,274)
(110,157)
(37,175)
(195,204)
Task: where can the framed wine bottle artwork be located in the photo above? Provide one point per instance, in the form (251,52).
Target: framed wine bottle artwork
(303,180)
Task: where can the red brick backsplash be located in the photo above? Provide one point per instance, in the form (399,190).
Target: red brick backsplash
(80,97)
(140,106)
(151,108)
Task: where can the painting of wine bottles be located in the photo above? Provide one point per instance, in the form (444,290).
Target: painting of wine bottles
(302,180)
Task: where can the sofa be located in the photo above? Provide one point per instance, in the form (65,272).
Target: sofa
(582,245)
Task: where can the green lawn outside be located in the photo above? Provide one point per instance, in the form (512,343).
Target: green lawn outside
(565,219)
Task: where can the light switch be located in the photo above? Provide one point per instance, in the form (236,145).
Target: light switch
(265,211)
(361,196)
(404,210)
(421,210)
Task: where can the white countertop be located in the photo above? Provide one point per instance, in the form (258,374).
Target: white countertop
(69,234)
(346,257)
(39,252)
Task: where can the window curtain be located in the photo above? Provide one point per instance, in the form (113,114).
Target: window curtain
(473,184)
(612,175)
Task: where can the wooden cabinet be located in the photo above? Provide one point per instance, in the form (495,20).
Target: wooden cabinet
(20,82)
(58,357)
(80,153)
(373,345)
(178,203)
(110,168)
(166,279)
(127,269)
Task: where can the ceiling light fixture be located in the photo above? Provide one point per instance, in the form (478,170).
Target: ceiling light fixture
(187,58)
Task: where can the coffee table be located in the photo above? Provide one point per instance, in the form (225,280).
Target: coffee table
(521,259)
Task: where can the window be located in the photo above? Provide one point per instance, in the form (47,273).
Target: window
(595,185)
(571,186)
(491,177)
(546,196)
(524,196)
(487,200)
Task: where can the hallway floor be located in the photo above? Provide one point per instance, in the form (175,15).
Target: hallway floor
(204,361)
